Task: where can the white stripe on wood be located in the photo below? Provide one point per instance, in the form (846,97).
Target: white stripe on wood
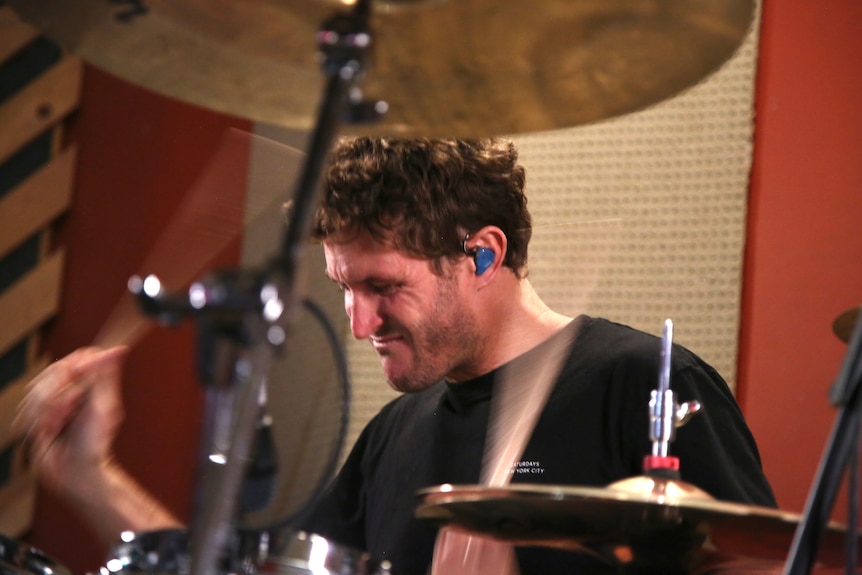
(14,33)
(31,301)
(36,202)
(39,105)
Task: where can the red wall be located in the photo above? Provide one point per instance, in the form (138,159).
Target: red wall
(804,251)
(139,155)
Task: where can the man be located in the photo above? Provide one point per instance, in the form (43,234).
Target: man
(428,241)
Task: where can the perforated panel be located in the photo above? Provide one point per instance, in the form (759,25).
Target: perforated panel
(637,219)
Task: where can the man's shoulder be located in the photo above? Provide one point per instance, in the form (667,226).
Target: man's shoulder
(601,339)
(604,340)
(609,355)
(601,328)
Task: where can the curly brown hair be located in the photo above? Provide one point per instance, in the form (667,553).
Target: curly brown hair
(423,196)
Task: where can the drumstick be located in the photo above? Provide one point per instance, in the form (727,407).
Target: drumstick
(519,397)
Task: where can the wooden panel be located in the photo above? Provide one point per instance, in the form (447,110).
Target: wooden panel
(42,103)
(12,395)
(14,33)
(31,301)
(36,202)
(42,97)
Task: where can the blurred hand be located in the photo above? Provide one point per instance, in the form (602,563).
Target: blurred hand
(70,417)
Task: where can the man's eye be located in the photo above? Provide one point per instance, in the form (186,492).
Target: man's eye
(384,289)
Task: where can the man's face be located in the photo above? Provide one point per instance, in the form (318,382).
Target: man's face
(418,322)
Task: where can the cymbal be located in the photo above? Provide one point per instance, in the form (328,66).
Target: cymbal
(844,324)
(446,68)
(623,527)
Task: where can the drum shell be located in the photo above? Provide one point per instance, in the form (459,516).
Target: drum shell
(20,559)
(309,554)
(165,552)
(161,552)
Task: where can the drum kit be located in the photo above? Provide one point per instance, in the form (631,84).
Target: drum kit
(448,68)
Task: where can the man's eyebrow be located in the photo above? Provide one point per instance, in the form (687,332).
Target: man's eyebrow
(369,280)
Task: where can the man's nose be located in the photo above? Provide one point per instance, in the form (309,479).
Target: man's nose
(364,314)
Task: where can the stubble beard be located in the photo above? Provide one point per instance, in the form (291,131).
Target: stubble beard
(448,338)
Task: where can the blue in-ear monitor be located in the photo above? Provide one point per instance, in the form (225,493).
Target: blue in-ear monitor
(483,257)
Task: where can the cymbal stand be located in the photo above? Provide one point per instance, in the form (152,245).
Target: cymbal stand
(247,314)
(666,414)
(842,453)
(660,469)
(660,480)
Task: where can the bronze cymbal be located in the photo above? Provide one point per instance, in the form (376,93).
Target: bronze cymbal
(844,324)
(621,526)
(464,68)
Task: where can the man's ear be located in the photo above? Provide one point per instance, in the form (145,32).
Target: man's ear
(487,248)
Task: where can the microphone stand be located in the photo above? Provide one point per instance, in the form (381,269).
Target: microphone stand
(247,314)
(841,453)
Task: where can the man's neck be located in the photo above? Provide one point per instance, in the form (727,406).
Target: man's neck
(517,324)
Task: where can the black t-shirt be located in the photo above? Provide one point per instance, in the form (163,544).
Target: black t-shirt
(593,431)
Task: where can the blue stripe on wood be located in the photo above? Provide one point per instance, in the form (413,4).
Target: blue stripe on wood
(13,363)
(26,161)
(20,261)
(27,64)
